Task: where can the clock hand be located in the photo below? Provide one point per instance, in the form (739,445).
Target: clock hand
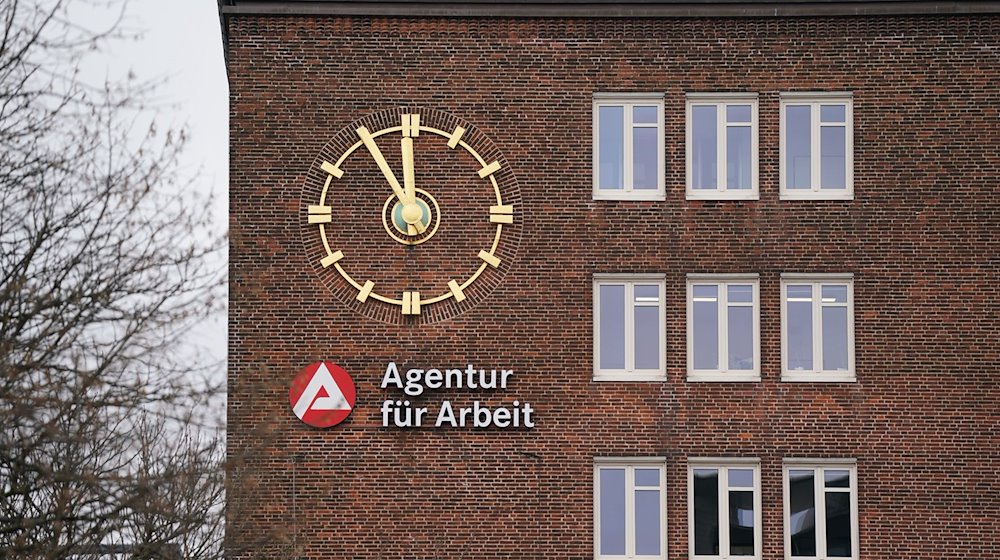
(412,215)
(409,181)
(369,142)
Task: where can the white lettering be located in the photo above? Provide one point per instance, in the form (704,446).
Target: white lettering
(470,377)
(501,417)
(413,386)
(433,378)
(446,415)
(504,376)
(391,376)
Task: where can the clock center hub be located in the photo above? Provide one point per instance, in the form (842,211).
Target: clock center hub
(411,223)
(412,213)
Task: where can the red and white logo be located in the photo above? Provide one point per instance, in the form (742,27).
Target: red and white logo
(322,394)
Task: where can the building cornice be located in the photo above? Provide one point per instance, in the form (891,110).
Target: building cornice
(596,8)
(603,9)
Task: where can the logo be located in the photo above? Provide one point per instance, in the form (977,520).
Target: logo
(322,394)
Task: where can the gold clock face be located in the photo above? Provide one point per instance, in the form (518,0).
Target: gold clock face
(411,215)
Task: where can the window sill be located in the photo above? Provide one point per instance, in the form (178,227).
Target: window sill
(722,195)
(723,377)
(818,377)
(630,376)
(816,195)
(630,195)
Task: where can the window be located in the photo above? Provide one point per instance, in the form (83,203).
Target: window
(821,509)
(817,333)
(723,322)
(628,146)
(629,326)
(630,508)
(817,146)
(722,146)
(724,518)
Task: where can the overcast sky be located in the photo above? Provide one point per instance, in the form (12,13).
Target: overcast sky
(180,43)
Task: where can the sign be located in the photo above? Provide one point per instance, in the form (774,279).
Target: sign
(399,413)
(322,394)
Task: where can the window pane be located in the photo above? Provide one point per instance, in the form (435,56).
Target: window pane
(706,511)
(644,114)
(833,161)
(611,147)
(798,143)
(704,145)
(741,478)
(647,337)
(838,524)
(706,327)
(612,496)
(647,522)
(837,478)
(612,327)
(835,338)
(832,113)
(706,291)
(644,158)
(741,523)
(738,157)
(647,293)
(834,293)
(800,291)
(738,113)
(647,477)
(799,329)
(739,293)
(802,512)
(740,332)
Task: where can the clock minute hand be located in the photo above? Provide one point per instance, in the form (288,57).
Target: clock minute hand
(369,142)
(409,180)
(416,226)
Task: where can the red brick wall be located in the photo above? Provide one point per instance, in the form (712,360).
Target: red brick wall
(919,236)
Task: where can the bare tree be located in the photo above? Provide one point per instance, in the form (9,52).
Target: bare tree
(105,263)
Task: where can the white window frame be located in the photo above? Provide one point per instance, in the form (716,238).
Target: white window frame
(630,464)
(723,373)
(630,373)
(817,374)
(723,464)
(819,466)
(721,101)
(814,100)
(628,101)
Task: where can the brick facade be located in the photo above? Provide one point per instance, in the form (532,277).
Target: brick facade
(920,237)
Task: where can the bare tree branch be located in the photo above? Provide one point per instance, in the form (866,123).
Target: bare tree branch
(105,264)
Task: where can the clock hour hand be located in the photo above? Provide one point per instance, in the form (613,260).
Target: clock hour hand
(369,142)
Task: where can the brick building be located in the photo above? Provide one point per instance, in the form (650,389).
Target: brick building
(729,269)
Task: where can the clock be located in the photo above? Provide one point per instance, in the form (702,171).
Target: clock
(411,215)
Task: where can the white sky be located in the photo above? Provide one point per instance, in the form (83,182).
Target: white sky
(179,43)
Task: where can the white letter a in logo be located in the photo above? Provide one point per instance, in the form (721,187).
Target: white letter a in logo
(334,400)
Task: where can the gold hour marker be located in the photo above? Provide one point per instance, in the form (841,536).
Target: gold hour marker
(320,214)
(366,290)
(455,137)
(411,125)
(502,214)
(331,258)
(489,258)
(456,290)
(411,303)
(332,169)
(489,169)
